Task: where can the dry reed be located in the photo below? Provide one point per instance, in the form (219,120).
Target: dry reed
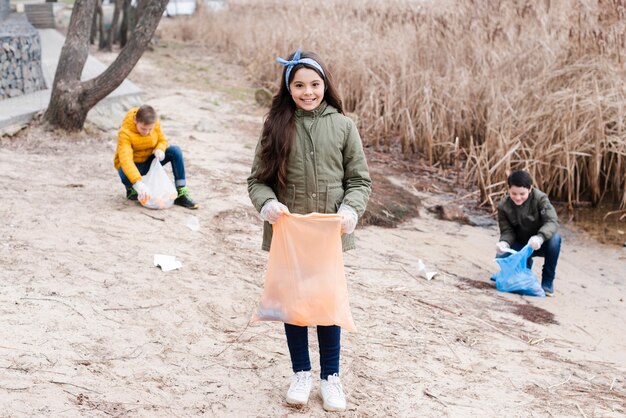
(511,84)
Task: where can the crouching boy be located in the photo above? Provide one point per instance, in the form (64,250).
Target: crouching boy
(139,141)
(526,216)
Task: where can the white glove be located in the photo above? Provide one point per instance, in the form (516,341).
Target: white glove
(535,242)
(502,246)
(272,210)
(160,155)
(349,218)
(142,191)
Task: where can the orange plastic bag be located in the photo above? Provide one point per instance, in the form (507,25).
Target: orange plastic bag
(305,283)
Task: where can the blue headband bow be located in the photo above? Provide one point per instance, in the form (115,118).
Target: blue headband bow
(297,60)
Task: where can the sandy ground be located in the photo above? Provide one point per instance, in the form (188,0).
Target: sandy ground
(91,328)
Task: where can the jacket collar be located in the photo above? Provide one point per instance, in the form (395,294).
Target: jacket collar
(318,111)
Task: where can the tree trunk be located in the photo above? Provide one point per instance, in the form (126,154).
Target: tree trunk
(113,30)
(125,27)
(141,6)
(72,99)
(94,25)
(100,13)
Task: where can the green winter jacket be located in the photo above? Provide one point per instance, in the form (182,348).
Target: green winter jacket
(536,216)
(326,168)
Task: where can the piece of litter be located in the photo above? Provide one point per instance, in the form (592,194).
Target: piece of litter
(166,262)
(193,223)
(421,270)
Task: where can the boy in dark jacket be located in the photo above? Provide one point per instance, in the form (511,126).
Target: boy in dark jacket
(526,215)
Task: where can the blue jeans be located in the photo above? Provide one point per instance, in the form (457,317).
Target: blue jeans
(549,250)
(173,154)
(329,338)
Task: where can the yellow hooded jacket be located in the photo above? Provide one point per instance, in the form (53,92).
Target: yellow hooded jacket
(133,148)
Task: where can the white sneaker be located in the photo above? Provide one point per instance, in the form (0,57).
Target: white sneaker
(332,394)
(300,388)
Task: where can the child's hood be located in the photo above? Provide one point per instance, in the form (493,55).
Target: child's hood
(129,121)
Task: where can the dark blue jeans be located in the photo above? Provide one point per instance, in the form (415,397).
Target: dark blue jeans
(549,250)
(173,154)
(329,338)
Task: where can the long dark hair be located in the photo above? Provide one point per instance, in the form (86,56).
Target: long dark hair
(279,129)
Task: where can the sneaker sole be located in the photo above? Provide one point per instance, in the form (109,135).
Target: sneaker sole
(296,402)
(188,207)
(330,408)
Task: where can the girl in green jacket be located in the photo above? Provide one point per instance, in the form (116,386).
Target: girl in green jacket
(310,159)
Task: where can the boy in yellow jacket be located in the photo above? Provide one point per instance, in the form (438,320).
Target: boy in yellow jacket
(139,141)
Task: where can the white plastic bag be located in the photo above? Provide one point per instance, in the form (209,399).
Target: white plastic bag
(160,187)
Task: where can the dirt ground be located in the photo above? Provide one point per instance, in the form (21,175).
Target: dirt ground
(91,328)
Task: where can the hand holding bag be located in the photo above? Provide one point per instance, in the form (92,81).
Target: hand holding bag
(515,277)
(305,282)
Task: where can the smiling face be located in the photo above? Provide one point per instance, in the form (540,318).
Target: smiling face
(518,194)
(307,89)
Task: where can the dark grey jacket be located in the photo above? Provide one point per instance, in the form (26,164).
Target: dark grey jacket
(326,168)
(536,216)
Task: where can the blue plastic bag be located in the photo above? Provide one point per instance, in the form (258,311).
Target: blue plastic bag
(515,277)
